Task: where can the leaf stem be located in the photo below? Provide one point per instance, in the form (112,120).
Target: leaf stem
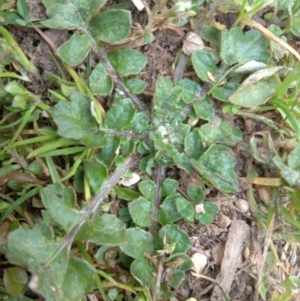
(116,77)
(205,89)
(92,207)
(160,172)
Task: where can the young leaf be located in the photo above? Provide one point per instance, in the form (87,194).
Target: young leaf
(205,212)
(190,89)
(100,81)
(168,212)
(204,64)
(204,218)
(128,61)
(138,242)
(135,85)
(70,14)
(147,188)
(176,237)
(179,263)
(141,211)
(185,208)
(163,87)
(240,47)
(168,187)
(204,109)
(23,8)
(213,35)
(75,50)
(120,115)
(195,193)
(111,26)
(143,270)
(74,120)
(96,174)
(216,165)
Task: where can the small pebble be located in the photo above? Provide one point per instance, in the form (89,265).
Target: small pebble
(242,205)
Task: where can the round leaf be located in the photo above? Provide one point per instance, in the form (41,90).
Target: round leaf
(120,115)
(204,109)
(195,193)
(204,64)
(128,61)
(100,81)
(141,211)
(142,269)
(184,207)
(211,208)
(204,218)
(138,242)
(190,89)
(168,187)
(135,85)
(147,188)
(176,237)
(75,50)
(111,26)
(168,212)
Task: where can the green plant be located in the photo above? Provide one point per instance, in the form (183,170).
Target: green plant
(96,148)
(21,16)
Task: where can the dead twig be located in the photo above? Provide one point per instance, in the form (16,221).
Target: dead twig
(112,72)
(261,258)
(92,207)
(238,232)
